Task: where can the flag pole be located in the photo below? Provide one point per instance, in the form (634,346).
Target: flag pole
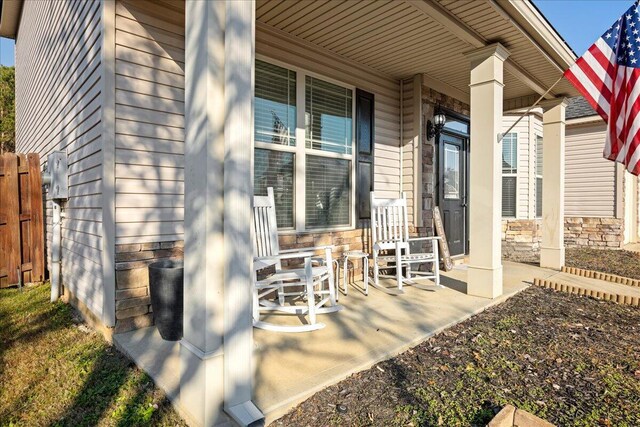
(501,135)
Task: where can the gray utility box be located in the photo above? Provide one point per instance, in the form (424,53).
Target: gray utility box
(58,171)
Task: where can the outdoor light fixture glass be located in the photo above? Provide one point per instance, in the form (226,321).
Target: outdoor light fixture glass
(434,128)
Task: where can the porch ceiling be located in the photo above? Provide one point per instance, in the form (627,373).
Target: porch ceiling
(404,38)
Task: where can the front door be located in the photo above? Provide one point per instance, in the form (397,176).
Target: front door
(452,189)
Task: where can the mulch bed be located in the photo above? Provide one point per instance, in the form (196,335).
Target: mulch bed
(572,360)
(620,262)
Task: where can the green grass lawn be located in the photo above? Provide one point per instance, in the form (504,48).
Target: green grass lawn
(54,371)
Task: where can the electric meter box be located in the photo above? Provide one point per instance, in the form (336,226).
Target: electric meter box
(58,171)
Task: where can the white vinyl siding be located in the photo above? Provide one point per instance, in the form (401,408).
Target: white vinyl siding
(589,178)
(410,152)
(150,114)
(149,122)
(58,107)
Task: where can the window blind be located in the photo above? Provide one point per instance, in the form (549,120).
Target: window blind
(509,170)
(275,104)
(508,196)
(328,116)
(328,194)
(275,169)
(509,153)
(539,176)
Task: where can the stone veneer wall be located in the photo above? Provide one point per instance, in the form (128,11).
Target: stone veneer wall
(431,98)
(521,237)
(133,305)
(594,232)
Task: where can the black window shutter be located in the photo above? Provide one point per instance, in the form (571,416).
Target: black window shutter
(365,151)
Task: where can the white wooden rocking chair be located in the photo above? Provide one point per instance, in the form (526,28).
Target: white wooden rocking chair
(316,278)
(390,232)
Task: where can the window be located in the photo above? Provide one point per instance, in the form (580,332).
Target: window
(328,122)
(314,176)
(509,174)
(275,104)
(538,176)
(274,132)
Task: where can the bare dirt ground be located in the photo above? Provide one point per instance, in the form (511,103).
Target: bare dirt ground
(620,262)
(572,360)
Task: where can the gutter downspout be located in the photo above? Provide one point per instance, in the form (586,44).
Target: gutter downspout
(56,241)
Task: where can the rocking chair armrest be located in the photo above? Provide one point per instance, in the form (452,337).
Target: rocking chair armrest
(306,254)
(313,248)
(415,239)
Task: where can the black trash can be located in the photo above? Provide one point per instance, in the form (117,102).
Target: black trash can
(166,287)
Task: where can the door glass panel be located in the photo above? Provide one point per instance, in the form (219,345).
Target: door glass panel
(451,171)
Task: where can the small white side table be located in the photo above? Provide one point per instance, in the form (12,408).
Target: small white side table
(365,273)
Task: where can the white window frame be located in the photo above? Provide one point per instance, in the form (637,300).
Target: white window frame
(512,174)
(300,151)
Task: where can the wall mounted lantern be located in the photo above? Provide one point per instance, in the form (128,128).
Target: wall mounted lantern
(434,128)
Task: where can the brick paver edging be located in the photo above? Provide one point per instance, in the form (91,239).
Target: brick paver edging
(577,290)
(601,276)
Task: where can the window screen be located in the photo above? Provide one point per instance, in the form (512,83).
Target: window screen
(327,198)
(275,104)
(509,153)
(509,171)
(508,196)
(538,176)
(275,169)
(328,116)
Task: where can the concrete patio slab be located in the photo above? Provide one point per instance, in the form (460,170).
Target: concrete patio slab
(291,367)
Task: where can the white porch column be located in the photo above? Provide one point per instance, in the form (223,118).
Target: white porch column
(216,350)
(552,246)
(484,277)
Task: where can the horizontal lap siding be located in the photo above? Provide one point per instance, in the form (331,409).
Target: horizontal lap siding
(409,174)
(589,178)
(289,50)
(149,121)
(58,107)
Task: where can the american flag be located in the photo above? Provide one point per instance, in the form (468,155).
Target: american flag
(607,75)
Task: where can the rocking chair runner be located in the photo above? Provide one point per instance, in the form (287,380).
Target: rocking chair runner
(316,278)
(390,231)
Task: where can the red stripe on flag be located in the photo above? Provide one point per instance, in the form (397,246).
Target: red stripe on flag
(576,82)
(603,60)
(597,81)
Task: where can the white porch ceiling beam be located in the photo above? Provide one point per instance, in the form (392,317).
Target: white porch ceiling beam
(475,40)
(447,89)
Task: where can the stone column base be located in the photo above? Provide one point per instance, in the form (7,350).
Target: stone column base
(484,282)
(551,257)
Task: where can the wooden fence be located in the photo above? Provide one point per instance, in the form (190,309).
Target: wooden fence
(21,219)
